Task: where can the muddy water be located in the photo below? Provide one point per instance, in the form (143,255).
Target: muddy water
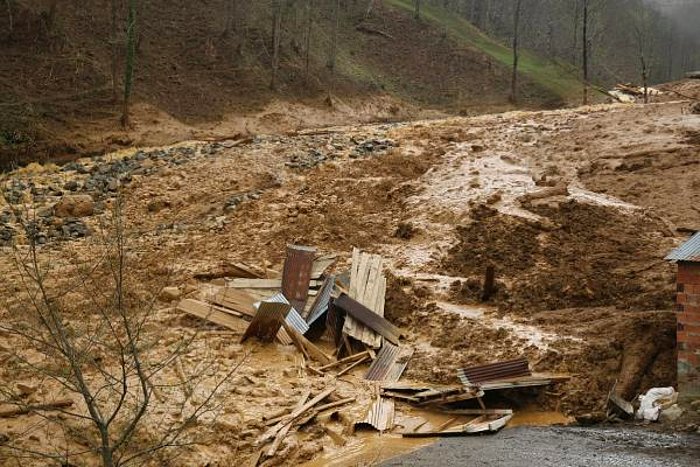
(369,448)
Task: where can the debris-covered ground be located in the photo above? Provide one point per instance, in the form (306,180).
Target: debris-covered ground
(573,210)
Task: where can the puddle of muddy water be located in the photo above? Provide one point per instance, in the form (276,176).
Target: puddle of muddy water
(370,448)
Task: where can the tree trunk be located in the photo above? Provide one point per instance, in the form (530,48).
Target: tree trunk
(585,52)
(334,48)
(130,56)
(416,11)
(516,30)
(276,40)
(115,52)
(309,25)
(9,15)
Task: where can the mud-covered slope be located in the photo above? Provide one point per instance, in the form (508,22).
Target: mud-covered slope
(190,76)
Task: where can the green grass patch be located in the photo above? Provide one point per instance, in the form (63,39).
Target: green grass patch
(556,77)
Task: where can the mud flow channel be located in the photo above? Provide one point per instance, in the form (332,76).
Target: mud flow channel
(560,446)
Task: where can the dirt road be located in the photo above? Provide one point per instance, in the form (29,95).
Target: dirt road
(555,447)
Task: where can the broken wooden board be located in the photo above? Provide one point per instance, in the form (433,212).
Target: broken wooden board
(273,431)
(367,287)
(308,348)
(267,321)
(212,313)
(235,299)
(481,424)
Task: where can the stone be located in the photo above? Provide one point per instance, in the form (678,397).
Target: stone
(671,414)
(71,185)
(695,405)
(25,390)
(169,294)
(75,206)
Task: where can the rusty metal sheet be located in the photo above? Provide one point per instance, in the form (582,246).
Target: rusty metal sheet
(524,382)
(380,415)
(366,317)
(322,301)
(267,321)
(494,371)
(296,275)
(390,363)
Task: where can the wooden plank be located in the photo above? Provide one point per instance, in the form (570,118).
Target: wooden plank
(264,284)
(236,299)
(283,432)
(353,365)
(351,358)
(272,432)
(311,351)
(210,313)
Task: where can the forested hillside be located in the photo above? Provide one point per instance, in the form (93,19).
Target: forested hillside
(63,74)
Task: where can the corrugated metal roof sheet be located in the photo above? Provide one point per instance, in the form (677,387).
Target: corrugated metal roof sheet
(380,415)
(494,371)
(322,301)
(689,251)
(390,363)
(293,319)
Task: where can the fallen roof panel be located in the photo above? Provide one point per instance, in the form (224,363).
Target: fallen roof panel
(322,301)
(390,363)
(494,371)
(380,415)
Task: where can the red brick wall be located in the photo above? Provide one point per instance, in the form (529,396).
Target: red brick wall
(688,308)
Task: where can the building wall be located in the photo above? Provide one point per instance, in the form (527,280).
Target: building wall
(688,308)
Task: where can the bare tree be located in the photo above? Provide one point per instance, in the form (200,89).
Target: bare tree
(276,41)
(307,48)
(643,36)
(85,331)
(516,31)
(130,58)
(115,49)
(9,15)
(586,44)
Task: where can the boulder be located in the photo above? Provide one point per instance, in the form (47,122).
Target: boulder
(75,206)
(169,294)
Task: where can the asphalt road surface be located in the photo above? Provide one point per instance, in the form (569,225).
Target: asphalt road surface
(555,446)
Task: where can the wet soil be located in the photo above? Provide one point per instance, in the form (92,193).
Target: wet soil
(583,288)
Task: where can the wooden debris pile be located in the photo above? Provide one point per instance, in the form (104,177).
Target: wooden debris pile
(337,323)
